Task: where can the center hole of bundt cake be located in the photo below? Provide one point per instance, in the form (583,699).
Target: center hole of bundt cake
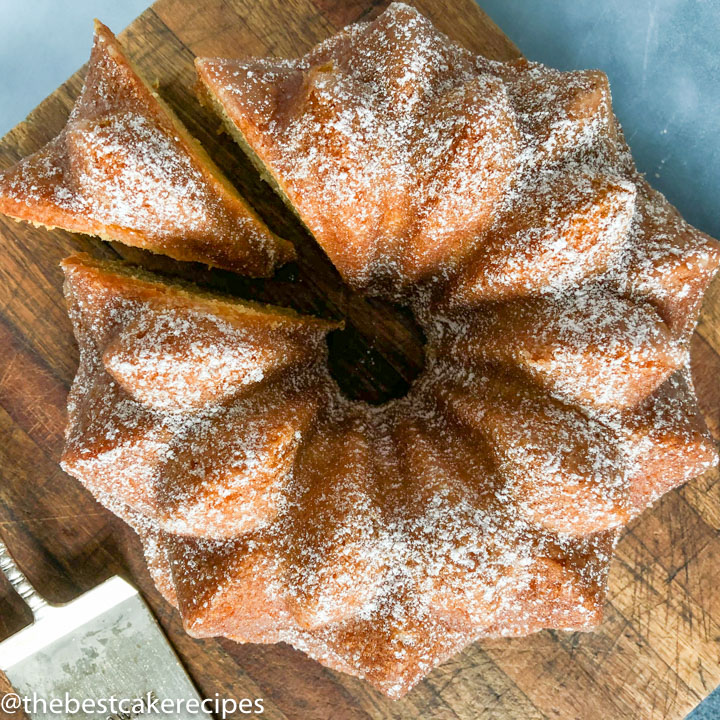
(378,354)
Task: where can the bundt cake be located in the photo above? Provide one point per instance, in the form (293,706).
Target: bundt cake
(125,168)
(557,293)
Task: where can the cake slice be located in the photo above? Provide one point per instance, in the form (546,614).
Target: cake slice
(188,407)
(125,168)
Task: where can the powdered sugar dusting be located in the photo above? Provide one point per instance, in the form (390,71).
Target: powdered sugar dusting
(178,360)
(130,173)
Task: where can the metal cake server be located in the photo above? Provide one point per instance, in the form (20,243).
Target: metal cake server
(103,644)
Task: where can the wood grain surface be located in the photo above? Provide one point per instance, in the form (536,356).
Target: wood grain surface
(656,655)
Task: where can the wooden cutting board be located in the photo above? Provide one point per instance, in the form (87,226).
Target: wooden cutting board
(657,655)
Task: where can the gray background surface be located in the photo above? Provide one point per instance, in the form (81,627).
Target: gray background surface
(43,42)
(662,57)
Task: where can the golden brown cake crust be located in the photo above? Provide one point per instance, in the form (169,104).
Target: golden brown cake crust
(124,168)
(557,293)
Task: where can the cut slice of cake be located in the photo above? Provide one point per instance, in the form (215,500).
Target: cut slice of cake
(193,394)
(125,168)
